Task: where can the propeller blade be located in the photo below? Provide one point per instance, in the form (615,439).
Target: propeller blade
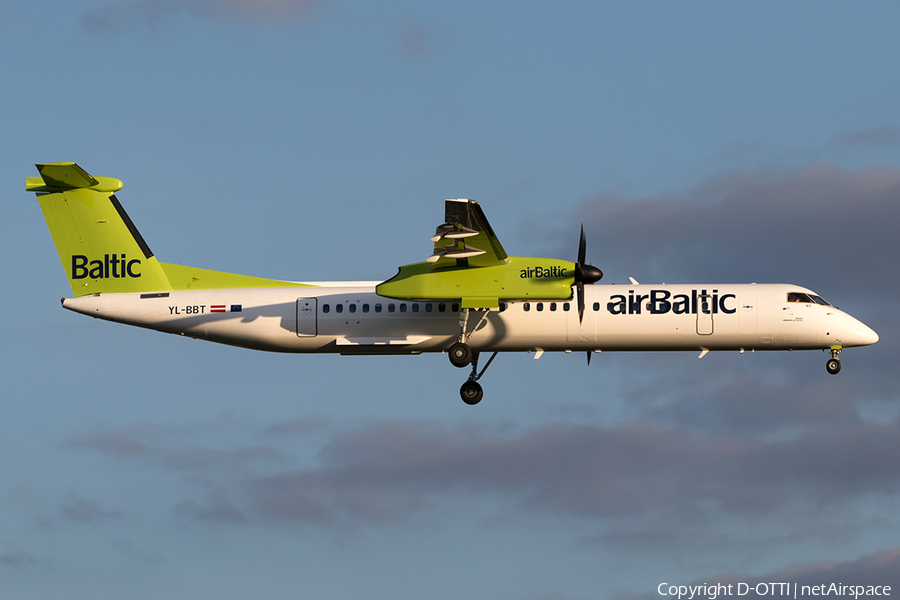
(582,247)
(584,274)
(589,357)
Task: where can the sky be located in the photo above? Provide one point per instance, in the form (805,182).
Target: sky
(316,140)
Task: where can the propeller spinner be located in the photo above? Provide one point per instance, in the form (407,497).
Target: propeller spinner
(584,274)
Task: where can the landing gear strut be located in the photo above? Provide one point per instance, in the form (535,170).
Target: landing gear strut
(471,392)
(834,363)
(460,353)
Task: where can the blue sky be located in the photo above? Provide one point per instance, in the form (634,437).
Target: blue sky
(316,140)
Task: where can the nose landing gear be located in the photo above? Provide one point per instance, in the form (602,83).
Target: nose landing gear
(833,365)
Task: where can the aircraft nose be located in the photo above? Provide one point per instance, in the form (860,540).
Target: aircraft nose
(859,334)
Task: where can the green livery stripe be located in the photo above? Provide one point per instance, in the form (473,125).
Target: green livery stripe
(192,278)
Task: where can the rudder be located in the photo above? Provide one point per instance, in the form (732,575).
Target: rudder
(100,248)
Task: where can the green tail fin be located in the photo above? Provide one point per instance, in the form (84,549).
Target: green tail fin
(100,248)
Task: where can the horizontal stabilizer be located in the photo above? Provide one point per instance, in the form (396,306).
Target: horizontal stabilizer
(62,176)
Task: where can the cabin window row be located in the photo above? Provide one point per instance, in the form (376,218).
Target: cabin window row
(552,306)
(391,307)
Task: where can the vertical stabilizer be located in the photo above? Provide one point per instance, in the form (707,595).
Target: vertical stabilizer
(100,248)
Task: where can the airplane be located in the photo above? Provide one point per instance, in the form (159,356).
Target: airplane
(467,298)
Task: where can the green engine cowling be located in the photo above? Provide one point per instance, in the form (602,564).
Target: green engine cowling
(521,278)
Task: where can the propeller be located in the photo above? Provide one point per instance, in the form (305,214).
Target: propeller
(584,274)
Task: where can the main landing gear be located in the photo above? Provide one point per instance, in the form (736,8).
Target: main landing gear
(471,392)
(461,355)
(834,363)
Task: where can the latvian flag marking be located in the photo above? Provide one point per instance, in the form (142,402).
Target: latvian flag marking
(217,308)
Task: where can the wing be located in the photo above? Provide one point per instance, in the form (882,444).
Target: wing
(471,266)
(466,238)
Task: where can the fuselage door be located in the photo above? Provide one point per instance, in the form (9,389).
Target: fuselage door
(306,317)
(705,315)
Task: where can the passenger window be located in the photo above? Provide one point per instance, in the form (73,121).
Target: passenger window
(526,307)
(326,308)
(338,308)
(454,307)
(352,308)
(391,307)
(378,308)
(415,307)
(503,306)
(596,306)
(365,308)
(566,306)
(428,307)
(553,307)
(540,306)
(442,307)
(402,307)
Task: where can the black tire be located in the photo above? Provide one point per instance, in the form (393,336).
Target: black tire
(460,355)
(471,393)
(833,366)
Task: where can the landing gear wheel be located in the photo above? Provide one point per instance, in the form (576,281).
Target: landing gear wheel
(460,355)
(471,392)
(833,366)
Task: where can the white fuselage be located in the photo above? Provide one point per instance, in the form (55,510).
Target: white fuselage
(616,317)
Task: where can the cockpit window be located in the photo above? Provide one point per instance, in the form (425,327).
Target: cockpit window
(806,298)
(799,297)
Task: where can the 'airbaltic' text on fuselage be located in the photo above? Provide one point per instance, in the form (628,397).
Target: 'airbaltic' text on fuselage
(659,302)
(542,273)
(110,266)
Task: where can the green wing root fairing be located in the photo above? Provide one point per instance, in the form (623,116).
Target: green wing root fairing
(469,264)
(520,278)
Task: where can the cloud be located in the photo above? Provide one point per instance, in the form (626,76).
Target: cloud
(390,471)
(299,427)
(137,555)
(877,137)
(751,395)
(215,508)
(822,225)
(111,442)
(114,16)
(877,569)
(161,445)
(87,511)
(640,473)
(19,559)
